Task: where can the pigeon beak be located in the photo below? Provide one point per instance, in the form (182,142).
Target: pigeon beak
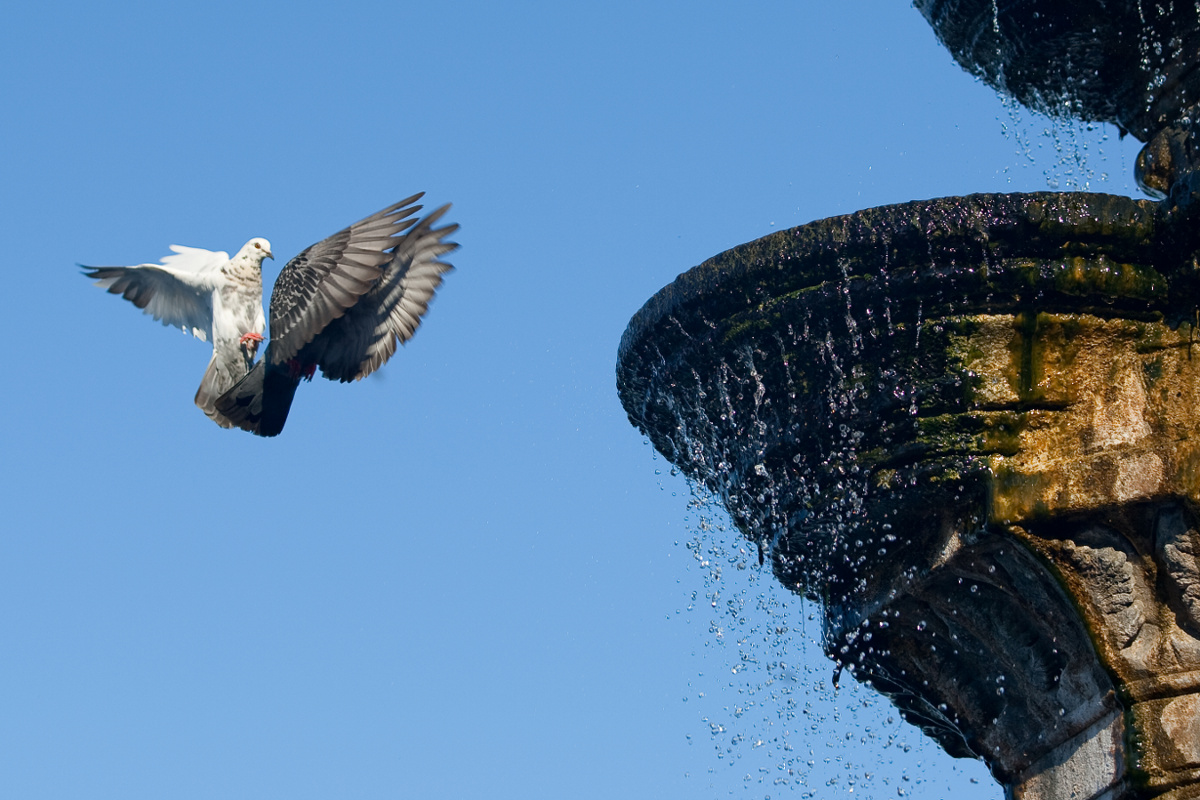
(270,255)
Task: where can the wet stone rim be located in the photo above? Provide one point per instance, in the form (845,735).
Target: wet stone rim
(985,253)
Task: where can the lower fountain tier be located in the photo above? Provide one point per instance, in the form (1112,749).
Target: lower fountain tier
(970,427)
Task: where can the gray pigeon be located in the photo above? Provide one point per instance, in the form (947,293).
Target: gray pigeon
(207,294)
(342,305)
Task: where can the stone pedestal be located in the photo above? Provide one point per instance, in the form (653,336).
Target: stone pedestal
(970,428)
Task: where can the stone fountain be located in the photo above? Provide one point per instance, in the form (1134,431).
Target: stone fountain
(970,427)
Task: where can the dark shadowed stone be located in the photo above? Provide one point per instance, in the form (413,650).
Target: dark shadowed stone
(1132,63)
(1129,62)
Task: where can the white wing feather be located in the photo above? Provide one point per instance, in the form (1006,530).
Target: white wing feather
(177,291)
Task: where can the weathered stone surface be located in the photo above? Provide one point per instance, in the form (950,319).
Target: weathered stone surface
(969,428)
(1177,548)
(1089,766)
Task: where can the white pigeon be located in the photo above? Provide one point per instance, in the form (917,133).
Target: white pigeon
(215,298)
(342,305)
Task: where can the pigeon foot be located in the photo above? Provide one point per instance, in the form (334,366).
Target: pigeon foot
(297,370)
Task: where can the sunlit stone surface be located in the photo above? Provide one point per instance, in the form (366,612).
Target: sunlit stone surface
(971,428)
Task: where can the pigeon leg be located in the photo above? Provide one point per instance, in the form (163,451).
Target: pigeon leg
(249,342)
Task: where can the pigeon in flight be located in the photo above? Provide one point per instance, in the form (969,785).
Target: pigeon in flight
(342,305)
(215,298)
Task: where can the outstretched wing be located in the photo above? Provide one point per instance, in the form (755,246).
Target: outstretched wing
(177,291)
(365,337)
(317,286)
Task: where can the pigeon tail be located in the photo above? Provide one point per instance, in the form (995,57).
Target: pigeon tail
(216,381)
(260,402)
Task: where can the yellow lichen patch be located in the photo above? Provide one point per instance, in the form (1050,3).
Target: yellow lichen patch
(987,355)
(1104,407)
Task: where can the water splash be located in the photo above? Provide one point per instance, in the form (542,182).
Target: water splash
(773,712)
(1073,155)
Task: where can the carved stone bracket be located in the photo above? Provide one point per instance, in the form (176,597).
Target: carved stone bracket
(1132,574)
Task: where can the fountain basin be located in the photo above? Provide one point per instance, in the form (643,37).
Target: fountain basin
(968,428)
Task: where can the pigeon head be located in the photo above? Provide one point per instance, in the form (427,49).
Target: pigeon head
(259,248)
(255,251)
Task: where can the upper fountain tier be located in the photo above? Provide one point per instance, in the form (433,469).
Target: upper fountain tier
(1133,63)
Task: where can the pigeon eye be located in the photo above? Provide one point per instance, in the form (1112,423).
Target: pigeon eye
(257,246)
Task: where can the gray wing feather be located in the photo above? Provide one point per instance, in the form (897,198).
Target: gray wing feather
(317,286)
(365,337)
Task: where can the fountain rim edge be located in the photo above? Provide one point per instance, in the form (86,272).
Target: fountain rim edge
(690,286)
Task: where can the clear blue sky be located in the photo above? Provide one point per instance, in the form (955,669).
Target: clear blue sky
(458,579)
